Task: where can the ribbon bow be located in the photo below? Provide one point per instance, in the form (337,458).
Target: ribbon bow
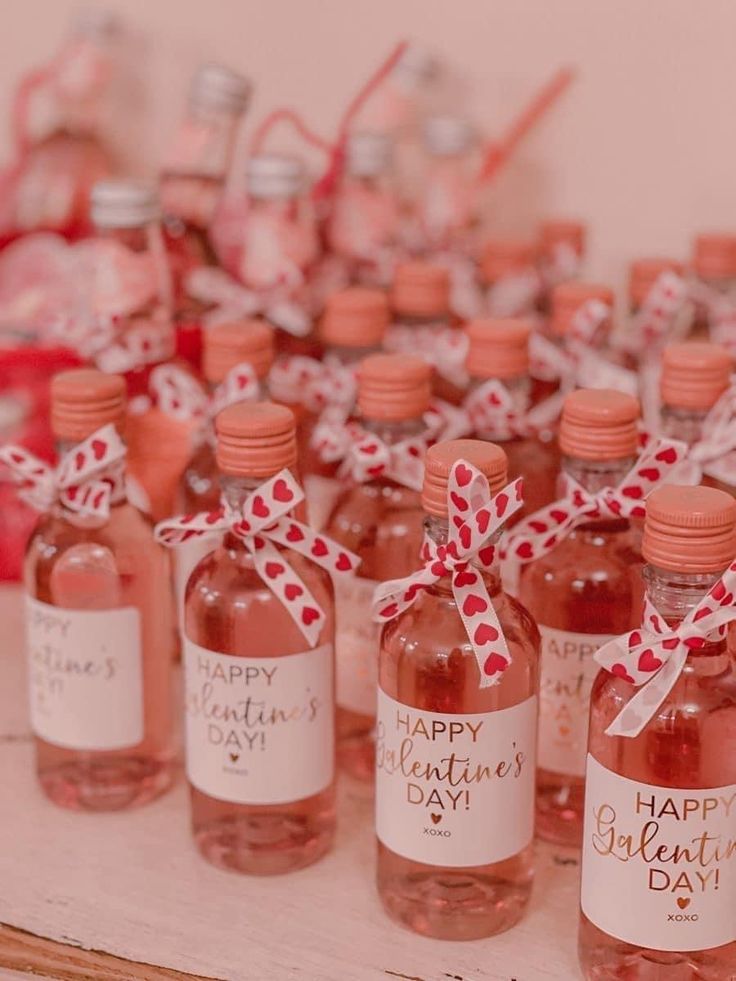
(263,522)
(366,456)
(514,294)
(445,348)
(652,323)
(714,453)
(88,478)
(540,532)
(474,518)
(720,309)
(652,657)
(180,395)
(214,287)
(491,409)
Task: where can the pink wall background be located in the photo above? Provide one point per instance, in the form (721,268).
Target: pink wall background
(643,145)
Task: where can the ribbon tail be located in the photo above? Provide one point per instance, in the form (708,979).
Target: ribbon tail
(289,589)
(640,709)
(483,629)
(329,555)
(396,595)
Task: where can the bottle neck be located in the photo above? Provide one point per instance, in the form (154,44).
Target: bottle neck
(676,594)
(437,319)
(347,355)
(684,424)
(595,475)
(437,531)
(392,432)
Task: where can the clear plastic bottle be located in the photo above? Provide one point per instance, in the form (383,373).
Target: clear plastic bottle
(587,589)
(448,202)
(364,221)
(429,685)
(194,173)
(498,349)
(380,519)
(256,693)
(510,277)
(279,241)
(668,790)
(100,627)
(713,269)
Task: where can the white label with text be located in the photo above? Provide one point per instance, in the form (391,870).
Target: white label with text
(356,645)
(659,864)
(259,730)
(567,674)
(85,673)
(455,790)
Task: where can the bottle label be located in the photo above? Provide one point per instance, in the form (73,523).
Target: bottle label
(659,864)
(455,790)
(356,645)
(86,676)
(259,730)
(567,675)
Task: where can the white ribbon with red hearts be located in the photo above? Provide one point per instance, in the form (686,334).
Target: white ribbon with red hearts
(715,452)
(652,657)
(178,393)
(490,410)
(368,457)
(552,362)
(720,309)
(651,325)
(542,531)
(445,348)
(88,478)
(231,301)
(263,522)
(562,266)
(474,518)
(514,294)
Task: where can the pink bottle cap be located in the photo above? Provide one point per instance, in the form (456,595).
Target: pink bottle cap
(567,298)
(690,529)
(420,289)
(714,256)
(355,317)
(498,348)
(227,345)
(83,400)
(599,424)
(559,231)
(255,439)
(394,387)
(506,257)
(694,374)
(487,457)
(644,273)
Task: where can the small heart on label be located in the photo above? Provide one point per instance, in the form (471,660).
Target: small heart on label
(234,757)
(564,730)
(683,902)
(436,818)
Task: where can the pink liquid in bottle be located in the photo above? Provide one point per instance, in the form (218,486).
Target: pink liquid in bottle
(380,518)
(587,589)
(714,273)
(476,881)
(695,377)
(100,628)
(194,175)
(260,704)
(648,914)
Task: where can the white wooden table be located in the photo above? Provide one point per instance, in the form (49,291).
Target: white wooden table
(126,896)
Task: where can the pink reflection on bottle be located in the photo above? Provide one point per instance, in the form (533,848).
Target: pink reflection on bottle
(232,614)
(194,174)
(96,566)
(60,154)
(380,518)
(684,751)
(587,589)
(427,665)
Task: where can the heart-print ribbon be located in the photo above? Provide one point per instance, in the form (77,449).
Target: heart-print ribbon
(317,385)
(514,295)
(553,362)
(368,457)
(561,266)
(445,348)
(87,480)
(180,395)
(491,410)
(715,452)
(263,522)
(232,301)
(542,531)
(474,518)
(651,326)
(652,657)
